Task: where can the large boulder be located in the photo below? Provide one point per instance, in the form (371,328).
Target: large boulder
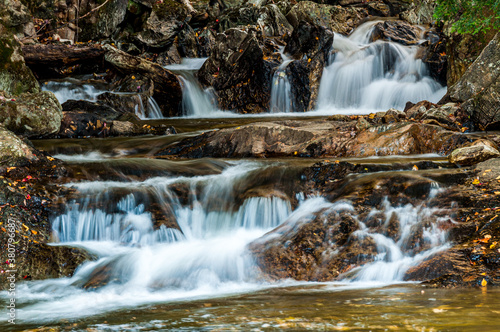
(166,20)
(15,76)
(318,139)
(474,154)
(31,114)
(16,17)
(479,87)
(419,12)
(238,72)
(13,151)
(310,45)
(103,23)
(397,31)
(336,18)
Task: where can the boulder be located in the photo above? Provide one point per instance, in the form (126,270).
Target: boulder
(462,50)
(273,22)
(237,71)
(336,18)
(166,86)
(478,89)
(15,76)
(162,26)
(310,45)
(31,114)
(396,31)
(17,18)
(13,151)
(474,154)
(103,23)
(318,139)
(419,12)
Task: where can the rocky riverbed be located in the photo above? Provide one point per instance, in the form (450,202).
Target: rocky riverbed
(250,46)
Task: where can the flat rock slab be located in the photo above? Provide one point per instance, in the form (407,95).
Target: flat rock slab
(318,139)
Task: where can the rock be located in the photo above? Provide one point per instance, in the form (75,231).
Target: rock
(419,12)
(238,73)
(166,87)
(478,89)
(124,128)
(378,8)
(16,17)
(433,54)
(15,76)
(362,124)
(318,139)
(415,111)
(396,31)
(103,23)
(462,50)
(273,22)
(135,103)
(13,151)
(162,26)
(31,114)
(471,155)
(336,18)
(310,45)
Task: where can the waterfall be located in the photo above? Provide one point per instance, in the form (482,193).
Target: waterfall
(72,89)
(369,76)
(281,90)
(196,101)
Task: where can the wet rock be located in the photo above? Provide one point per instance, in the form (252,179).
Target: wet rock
(15,76)
(336,18)
(166,20)
(13,151)
(166,87)
(238,73)
(478,88)
(135,103)
(415,111)
(378,8)
(310,45)
(396,31)
(433,54)
(362,124)
(31,114)
(124,128)
(471,155)
(273,22)
(318,139)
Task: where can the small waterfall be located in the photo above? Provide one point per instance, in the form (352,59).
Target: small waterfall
(281,90)
(72,89)
(369,76)
(195,100)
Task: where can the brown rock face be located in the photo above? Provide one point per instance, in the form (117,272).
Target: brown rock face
(397,31)
(479,87)
(237,71)
(473,154)
(318,139)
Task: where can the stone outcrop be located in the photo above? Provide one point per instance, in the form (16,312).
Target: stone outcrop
(105,21)
(237,71)
(474,154)
(478,89)
(13,151)
(419,12)
(310,45)
(15,76)
(336,18)
(396,31)
(31,114)
(318,139)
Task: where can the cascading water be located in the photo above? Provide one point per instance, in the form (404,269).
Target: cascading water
(369,76)
(281,90)
(195,100)
(72,89)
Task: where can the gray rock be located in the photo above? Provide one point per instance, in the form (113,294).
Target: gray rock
(471,155)
(32,114)
(13,151)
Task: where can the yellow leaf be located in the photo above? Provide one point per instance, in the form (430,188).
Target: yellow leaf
(484,282)
(476,181)
(34,232)
(309,60)
(415,168)
(488,170)
(497,192)
(133,77)
(295,153)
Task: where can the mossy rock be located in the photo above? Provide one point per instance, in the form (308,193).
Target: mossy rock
(170,9)
(15,76)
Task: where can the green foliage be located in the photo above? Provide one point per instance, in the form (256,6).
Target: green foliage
(469,16)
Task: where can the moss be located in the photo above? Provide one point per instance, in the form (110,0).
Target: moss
(169,8)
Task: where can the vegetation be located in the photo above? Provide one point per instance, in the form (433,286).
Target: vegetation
(469,16)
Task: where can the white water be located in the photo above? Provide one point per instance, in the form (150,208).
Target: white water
(196,101)
(365,77)
(66,90)
(281,90)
